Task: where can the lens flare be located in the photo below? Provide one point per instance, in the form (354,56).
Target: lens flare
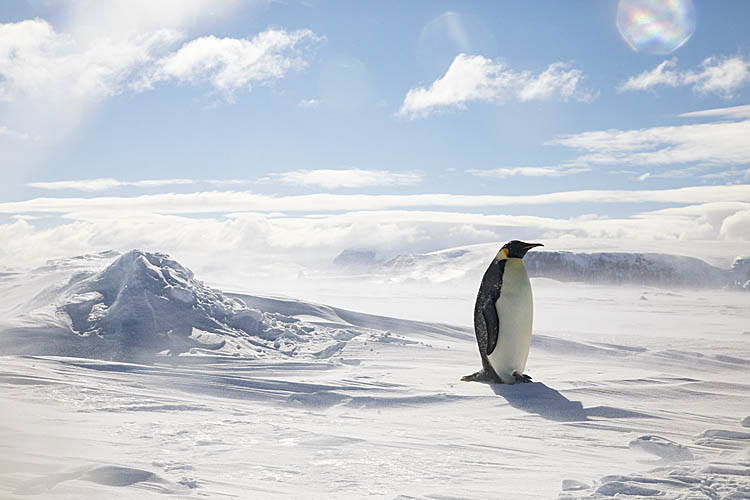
(656,26)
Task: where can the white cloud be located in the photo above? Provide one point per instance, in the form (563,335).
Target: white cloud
(477,78)
(38,63)
(104,184)
(736,112)
(51,77)
(233,201)
(309,103)
(660,75)
(349,178)
(268,244)
(547,171)
(717,143)
(736,174)
(722,76)
(229,64)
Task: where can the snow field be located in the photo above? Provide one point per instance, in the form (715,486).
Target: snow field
(637,392)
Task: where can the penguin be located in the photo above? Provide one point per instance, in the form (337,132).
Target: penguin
(503,316)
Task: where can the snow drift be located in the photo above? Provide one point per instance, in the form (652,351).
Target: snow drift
(144,304)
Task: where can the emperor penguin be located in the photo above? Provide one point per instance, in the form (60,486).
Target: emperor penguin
(503,316)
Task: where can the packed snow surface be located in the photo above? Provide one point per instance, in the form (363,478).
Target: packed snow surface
(126,377)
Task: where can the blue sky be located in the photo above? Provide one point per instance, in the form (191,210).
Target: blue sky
(287,99)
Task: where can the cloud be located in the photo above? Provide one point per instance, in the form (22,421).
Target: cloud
(736,112)
(229,64)
(717,143)
(737,174)
(349,178)
(51,77)
(262,246)
(722,76)
(239,201)
(104,184)
(660,75)
(548,171)
(309,103)
(477,78)
(38,63)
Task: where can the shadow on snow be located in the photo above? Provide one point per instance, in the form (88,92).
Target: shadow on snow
(550,404)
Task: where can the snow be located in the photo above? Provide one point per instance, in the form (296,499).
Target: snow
(638,392)
(650,269)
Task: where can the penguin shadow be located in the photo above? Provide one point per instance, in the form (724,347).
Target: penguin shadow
(549,403)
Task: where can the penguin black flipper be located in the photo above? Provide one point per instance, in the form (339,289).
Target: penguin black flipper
(491,320)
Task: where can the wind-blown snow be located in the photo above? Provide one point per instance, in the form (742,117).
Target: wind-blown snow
(638,392)
(618,268)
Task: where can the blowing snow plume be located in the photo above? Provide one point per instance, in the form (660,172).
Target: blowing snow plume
(144,304)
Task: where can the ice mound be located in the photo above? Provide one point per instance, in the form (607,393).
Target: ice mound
(663,448)
(146,303)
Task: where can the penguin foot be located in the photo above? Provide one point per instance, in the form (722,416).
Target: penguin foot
(521,378)
(480,376)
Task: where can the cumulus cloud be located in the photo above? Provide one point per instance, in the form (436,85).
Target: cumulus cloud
(547,171)
(39,63)
(51,77)
(229,64)
(722,76)
(348,178)
(477,78)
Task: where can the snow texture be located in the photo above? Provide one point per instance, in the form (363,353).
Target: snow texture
(144,304)
(124,379)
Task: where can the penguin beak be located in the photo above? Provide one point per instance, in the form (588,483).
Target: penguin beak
(532,245)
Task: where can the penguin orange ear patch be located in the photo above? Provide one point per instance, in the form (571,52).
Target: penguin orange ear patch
(505,251)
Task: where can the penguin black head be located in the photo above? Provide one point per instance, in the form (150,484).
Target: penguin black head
(516,249)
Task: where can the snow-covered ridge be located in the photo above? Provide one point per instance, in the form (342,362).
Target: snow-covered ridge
(649,269)
(145,304)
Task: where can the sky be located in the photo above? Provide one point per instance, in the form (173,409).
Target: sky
(290,131)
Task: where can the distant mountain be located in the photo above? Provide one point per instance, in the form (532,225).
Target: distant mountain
(649,269)
(356,260)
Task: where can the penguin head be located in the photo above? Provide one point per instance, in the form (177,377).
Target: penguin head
(516,249)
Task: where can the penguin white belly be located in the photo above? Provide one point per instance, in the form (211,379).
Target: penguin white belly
(515,311)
